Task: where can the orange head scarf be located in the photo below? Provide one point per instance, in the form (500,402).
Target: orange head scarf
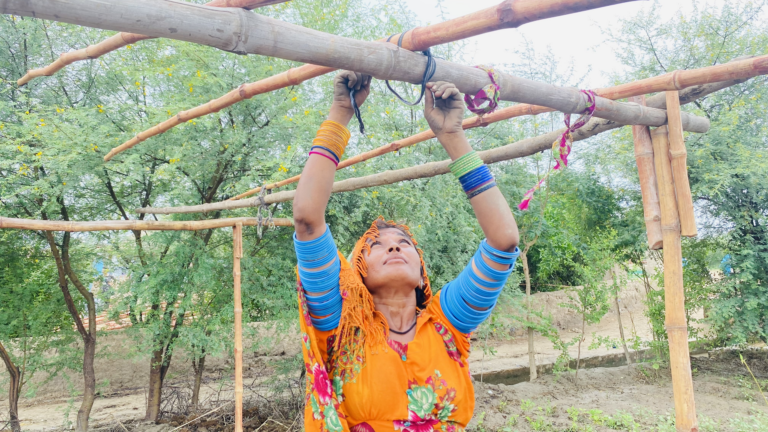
(360,322)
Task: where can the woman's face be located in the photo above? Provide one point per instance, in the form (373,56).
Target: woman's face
(393,261)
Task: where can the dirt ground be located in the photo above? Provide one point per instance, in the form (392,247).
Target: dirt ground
(634,398)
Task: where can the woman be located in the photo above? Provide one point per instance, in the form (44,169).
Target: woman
(381,353)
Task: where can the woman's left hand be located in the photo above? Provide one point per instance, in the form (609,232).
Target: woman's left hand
(444,109)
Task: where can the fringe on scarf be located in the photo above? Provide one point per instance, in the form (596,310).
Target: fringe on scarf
(360,322)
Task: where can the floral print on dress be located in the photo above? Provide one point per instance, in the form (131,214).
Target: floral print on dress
(450,344)
(427,410)
(400,348)
(362,427)
(324,395)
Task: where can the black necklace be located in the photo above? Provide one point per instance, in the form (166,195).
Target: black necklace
(415,320)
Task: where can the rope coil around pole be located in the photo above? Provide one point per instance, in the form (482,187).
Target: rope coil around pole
(429,72)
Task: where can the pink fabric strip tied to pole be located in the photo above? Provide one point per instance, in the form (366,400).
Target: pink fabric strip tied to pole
(489,93)
(561,148)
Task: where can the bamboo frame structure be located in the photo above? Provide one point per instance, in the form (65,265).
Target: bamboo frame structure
(678,154)
(647,175)
(132,225)
(236,31)
(120,40)
(240,32)
(509,113)
(735,70)
(237,250)
(507,14)
(523,148)
(674,296)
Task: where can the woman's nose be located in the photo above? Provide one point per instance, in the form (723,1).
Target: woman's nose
(394,248)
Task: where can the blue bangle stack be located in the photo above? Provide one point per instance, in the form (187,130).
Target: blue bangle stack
(321,286)
(461,298)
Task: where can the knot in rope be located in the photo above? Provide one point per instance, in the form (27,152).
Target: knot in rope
(489,93)
(561,148)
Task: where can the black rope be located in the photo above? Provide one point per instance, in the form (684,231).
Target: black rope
(429,72)
(357,110)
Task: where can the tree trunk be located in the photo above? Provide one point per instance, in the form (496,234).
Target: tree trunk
(158,368)
(89,376)
(578,353)
(531,348)
(13,390)
(618,316)
(198,366)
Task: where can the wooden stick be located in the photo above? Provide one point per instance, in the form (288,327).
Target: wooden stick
(514,150)
(647,174)
(674,297)
(237,249)
(120,40)
(508,14)
(483,121)
(747,67)
(241,32)
(678,155)
(133,225)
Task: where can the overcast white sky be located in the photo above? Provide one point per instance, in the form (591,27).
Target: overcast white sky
(588,48)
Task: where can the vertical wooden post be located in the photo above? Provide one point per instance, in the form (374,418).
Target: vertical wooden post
(237,247)
(676,325)
(647,174)
(679,155)
(617,290)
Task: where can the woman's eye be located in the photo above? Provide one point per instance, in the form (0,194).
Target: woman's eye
(375,244)
(405,241)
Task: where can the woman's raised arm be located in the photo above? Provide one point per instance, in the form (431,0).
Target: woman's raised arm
(316,182)
(444,111)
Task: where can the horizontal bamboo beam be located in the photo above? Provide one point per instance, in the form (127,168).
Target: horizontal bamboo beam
(508,14)
(132,225)
(652,210)
(690,123)
(241,32)
(120,40)
(515,150)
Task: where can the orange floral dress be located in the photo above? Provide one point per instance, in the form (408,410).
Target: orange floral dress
(420,386)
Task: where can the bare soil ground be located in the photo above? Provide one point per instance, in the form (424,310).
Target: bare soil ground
(634,398)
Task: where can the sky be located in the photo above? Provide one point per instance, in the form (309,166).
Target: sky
(577,36)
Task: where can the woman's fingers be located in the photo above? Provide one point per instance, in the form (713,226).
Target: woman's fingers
(351,79)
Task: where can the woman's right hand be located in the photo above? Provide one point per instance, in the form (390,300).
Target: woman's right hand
(346,81)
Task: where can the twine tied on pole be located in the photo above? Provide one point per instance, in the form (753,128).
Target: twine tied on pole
(489,93)
(263,206)
(561,148)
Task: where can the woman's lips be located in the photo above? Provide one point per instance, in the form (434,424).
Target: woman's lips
(395,260)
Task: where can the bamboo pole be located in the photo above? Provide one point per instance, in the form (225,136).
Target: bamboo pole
(508,14)
(647,174)
(468,123)
(132,225)
(741,68)
(237,248)
(514,150)
(241,32)
(679,155)
(120,40)
(674,297)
